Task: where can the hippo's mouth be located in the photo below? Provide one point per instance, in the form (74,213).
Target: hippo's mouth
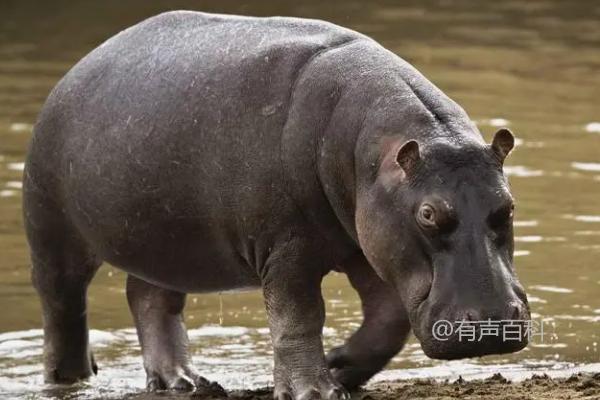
(448,338)
(470,344)
(447,331)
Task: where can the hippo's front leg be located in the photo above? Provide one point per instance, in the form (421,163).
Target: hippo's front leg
(382,334)
(292,291)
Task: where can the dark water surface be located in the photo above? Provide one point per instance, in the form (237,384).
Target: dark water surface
(533,66)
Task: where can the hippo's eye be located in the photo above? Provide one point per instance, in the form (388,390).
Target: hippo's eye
(502,217)
(426,216)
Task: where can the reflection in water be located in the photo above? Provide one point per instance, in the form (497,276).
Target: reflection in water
(593,127)
(587,218)
(17,166)
(586,166)
(533,66)
(522,224)
(497,122)
(522,171)
(20,127)
(554,289)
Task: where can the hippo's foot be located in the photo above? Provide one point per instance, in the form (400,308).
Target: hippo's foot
(182,379)
(320,387)
(61,271)
(353,370)
(382,334)
(159,321)
(72,370)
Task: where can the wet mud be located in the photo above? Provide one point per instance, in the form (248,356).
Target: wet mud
(496,387)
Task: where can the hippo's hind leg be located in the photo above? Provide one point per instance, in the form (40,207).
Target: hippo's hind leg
(62,268)
(382,334)
(158,316)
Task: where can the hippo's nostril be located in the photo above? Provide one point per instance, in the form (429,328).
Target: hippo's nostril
(517,310)
(468,315)
(471,315)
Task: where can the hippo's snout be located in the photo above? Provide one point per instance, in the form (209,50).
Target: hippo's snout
(474,331)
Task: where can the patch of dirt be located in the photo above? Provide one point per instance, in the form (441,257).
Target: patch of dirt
(496,387)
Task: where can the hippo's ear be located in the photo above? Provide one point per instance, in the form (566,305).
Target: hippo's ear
(408,156)
(503,143)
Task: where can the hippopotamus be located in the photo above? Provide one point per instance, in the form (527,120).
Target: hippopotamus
(207,153)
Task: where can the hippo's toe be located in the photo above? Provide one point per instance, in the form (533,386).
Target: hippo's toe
(353,370)
(208,388)
(183,380)
(324,387)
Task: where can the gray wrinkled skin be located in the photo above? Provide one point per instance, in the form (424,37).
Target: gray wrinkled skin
(204,153)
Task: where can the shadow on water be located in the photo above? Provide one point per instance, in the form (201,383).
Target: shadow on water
(532,66)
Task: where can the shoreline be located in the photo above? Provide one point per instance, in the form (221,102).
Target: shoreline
(496,387)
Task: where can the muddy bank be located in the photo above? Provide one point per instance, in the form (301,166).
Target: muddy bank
(496,387)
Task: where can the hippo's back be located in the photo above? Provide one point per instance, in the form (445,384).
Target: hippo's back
(181,88)
(199,79)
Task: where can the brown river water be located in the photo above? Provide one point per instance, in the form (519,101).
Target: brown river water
(532,66)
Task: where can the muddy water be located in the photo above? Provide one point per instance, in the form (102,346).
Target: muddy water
(532,66)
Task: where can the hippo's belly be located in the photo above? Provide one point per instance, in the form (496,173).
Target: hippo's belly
(187,253)
(179,225)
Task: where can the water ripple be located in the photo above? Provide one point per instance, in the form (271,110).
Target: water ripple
(522,171)
(593,167)
(553,289)
(592,127)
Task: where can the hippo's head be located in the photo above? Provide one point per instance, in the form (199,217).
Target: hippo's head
(437,224)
